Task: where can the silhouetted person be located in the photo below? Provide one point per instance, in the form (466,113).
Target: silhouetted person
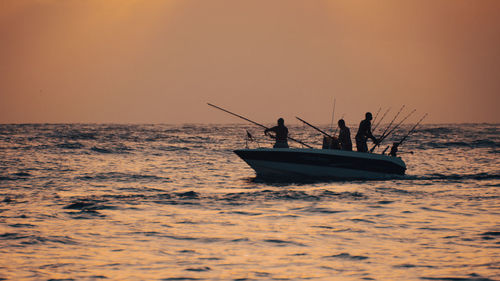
(365,132)
(344,136)
(281,134)
(394,149)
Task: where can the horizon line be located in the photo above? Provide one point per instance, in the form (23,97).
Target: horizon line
(199,123)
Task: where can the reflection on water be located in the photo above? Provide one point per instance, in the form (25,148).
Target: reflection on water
(159,202)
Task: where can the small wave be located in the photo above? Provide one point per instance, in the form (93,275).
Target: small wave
(199,269)
(240,240)
(188,195)
(187,252)
(121,177)
(289,195)
(471,277)
(88,205)
(362,220)
(189,238)
(191,197)
(409,265)
(15,176)
(280,242)
(86,215)
(79,205)
(397,190)
(434,228)
(180,279)
(77,135)
(22,225)
(490,235)
(118,149)
(347,256)
(70,145)
(87,208)
(458,177)
(461,144)
(29,239)
(270,194)
(101,150)
(322,210)
(173,148)
(437,130)
(450,177)
(245,213)
(72,134)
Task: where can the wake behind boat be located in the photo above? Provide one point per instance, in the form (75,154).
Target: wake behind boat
(321,163)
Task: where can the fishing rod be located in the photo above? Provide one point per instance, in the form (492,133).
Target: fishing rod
(333,115)
(399,124)
(255,123)
(392,121)
(392,130)
(314,127)
(376,115)
(412,129)
(382,118)
(332,142)
(394,148)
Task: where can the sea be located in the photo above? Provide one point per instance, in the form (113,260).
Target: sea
(173,202)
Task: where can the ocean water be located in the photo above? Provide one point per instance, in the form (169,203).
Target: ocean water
(173,202)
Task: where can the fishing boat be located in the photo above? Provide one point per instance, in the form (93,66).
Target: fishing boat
(330,164)
(321,164)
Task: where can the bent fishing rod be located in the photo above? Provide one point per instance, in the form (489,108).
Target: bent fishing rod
(255,123)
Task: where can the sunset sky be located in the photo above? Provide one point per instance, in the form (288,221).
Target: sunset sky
(133,61)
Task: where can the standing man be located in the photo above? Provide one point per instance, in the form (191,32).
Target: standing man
(365,132)
(281,134)
(344,136)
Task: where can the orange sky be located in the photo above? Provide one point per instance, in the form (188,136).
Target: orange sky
(132,61)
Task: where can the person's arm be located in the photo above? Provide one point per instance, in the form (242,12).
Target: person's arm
(342,134)
(273,129)
(374,139)
(370,135)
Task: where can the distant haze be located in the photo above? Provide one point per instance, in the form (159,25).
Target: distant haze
(131,61)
